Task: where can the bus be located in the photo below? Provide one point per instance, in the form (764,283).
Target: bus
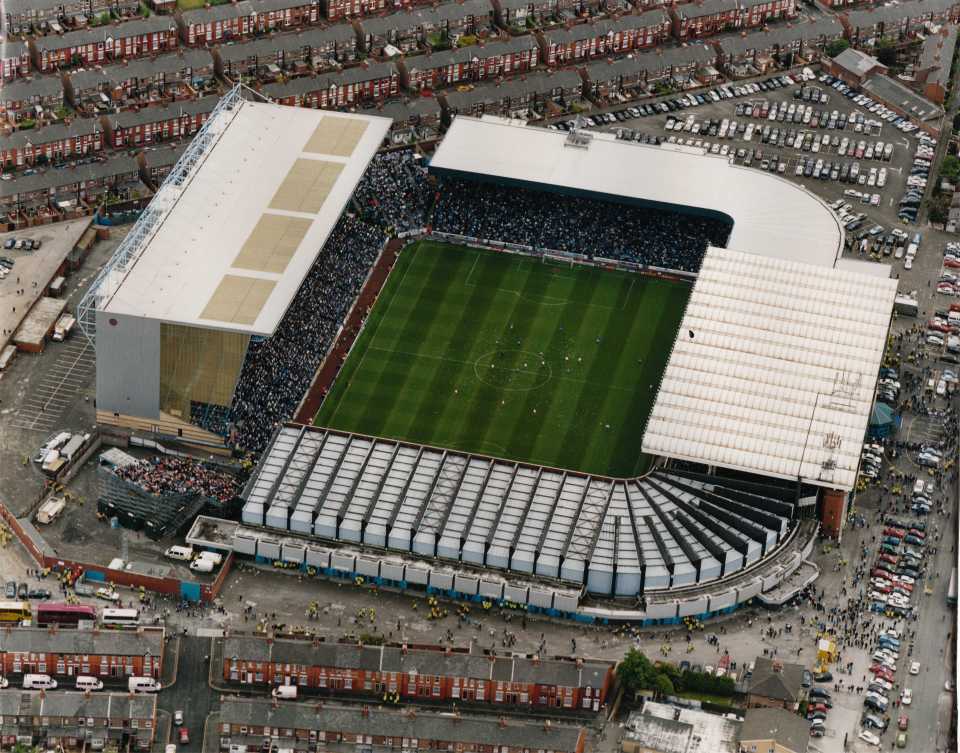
(68,615)
(14,611)
(952,591)
(120,617)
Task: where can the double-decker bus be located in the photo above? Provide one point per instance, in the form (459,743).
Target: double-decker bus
(120,618)
(59,613)
(14,611)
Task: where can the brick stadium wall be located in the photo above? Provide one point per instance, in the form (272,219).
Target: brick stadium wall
(10,519)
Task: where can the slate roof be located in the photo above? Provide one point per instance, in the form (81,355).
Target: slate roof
(789,730)
(782,685)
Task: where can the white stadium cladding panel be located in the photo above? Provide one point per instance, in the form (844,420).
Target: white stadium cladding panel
(616,537)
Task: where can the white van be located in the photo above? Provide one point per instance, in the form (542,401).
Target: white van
(143,685)
(39,682)
(216,558)
(202,565)
(912,250)
(287,692)
(85,682)
(184,553)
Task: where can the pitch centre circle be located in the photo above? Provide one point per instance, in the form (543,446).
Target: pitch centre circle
(513,369)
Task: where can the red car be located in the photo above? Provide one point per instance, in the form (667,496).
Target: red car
(903,722)
(878,670)
(879,572)
(889,558)
(184,736)
(919,534)
(905,587)
(884,589)
(938,326)
(898,532)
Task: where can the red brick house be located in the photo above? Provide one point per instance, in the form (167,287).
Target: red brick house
(518,15)
(180,75)
(630,77)
(416,120)
(14,60)
(362,84)
(776,46)
(334,10)
(932,71)
(51,144)
(68,653)
(756,13)
(607,37)
(157,124)
(533,95)
(426,672)
(701,19)
(474,63)
(133,39)
(285,14)
(897,22)
(156,164)
(21,97)
(243,723)
(219,23)
(423,28)
(29,16)
(293,54)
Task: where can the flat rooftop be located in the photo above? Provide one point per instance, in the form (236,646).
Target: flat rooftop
(231,244)
(34,269)
(771,216)
(774,369)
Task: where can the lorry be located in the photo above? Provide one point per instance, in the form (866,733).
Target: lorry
(63,327)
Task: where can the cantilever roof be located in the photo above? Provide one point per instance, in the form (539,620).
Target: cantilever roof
(237,237)
(774,369)
(771,216)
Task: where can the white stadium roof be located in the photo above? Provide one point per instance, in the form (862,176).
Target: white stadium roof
(771,216)
(774,369)
(235,240)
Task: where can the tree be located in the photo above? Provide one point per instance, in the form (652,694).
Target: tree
(664,686)
(636,672)
(950,168)
(836,47)
(887,53)
(956,122)
(939,207)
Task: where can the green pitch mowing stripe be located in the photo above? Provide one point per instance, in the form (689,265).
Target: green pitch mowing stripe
(510,356)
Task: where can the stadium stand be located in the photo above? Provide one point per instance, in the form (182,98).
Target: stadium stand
(552,221)
(278,370)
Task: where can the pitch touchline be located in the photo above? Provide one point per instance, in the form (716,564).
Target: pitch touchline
(471,363)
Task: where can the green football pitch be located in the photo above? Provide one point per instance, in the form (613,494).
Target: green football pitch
(506,355)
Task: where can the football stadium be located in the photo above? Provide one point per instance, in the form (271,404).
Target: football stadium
(557,371)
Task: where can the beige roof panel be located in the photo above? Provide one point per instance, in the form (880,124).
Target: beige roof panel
(272,243)
(306,186)
(336,136)
(238,299)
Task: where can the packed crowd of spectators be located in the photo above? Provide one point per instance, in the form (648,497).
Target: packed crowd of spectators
(277,371)
(393,192)
(173,475)
(549,221)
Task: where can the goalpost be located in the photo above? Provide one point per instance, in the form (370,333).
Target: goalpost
(557,261)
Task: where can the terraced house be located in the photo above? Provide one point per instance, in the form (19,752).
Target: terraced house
(219,23)
(151,125)
(51,144)
(702,19)
(426,672)
(78,721)
(68,653)
(606,37)
(30,98)
(27,16)
(133,39)
(285,14)
(422,28)
(14,60)
(335,10)
(897,22)
(764,49)
(474,63)
(302,726)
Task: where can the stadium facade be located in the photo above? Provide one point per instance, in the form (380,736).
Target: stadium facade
(715,524)
(216,259)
